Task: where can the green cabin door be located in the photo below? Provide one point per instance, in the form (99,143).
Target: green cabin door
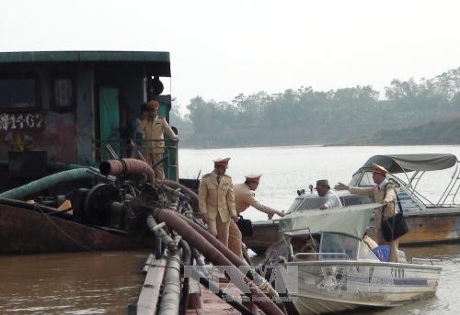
(109,121)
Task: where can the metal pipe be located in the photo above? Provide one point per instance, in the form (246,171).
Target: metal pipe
(198,257)
(170,299)
(97,174)
(187,260)
(127,167)
(175,185)
(187,257)
(194,199)
(151,223)
(160,236)
(178,223)
(111,151)
(135,151)
(235,260)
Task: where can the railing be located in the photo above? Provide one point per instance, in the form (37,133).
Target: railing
(453,187)
(334,256)
(321,256)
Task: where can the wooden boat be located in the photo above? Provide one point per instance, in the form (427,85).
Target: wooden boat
(62,114)
(429,221)
(343,273)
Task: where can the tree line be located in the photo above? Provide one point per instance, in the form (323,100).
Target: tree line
(355,115)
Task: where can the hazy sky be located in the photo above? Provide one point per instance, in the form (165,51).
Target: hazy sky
(222,48)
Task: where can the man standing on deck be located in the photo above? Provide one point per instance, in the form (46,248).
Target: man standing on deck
(383,192)
(217,200)
(245,197)
(153,127)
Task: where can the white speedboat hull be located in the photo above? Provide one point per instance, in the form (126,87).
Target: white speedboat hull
(319,287)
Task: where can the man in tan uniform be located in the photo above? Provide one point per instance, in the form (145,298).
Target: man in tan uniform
(383,192)
(217,201)
(153,127)
(245,197)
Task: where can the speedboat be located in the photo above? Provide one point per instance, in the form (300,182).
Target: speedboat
(326,264)
(266,233)
(429,220)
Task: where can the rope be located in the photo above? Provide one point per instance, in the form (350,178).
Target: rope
(124,167)
(40,210)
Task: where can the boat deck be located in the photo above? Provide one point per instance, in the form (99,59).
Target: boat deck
(210,303)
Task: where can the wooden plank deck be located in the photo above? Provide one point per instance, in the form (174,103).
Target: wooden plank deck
(148,298)
(207,302)
(201,299)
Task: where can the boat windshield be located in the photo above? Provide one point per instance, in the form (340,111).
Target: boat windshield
(338,246)
(305,203)
(362,179)
(313,201)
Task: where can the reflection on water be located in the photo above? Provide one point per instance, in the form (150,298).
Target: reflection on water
(77,283)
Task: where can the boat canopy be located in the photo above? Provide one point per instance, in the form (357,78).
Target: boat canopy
(401,163)
(352,220)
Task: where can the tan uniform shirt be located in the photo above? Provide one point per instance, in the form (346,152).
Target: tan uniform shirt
(217,198)
(154,130)
(379,192)
(390,200)
(244,197)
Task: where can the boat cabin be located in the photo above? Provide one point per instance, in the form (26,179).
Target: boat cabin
(60,109)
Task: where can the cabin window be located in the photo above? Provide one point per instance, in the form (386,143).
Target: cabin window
(356,200)
(306,203)
(18,93)
(362,179)
(63,92)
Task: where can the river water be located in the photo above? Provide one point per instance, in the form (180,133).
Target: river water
(105,283)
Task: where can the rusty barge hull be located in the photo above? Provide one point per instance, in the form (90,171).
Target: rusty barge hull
(432,228)
(24,230)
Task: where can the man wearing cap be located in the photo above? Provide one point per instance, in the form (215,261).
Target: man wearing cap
(245,197)
(324,190)
(383,192)
(217,200)
(153,127)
